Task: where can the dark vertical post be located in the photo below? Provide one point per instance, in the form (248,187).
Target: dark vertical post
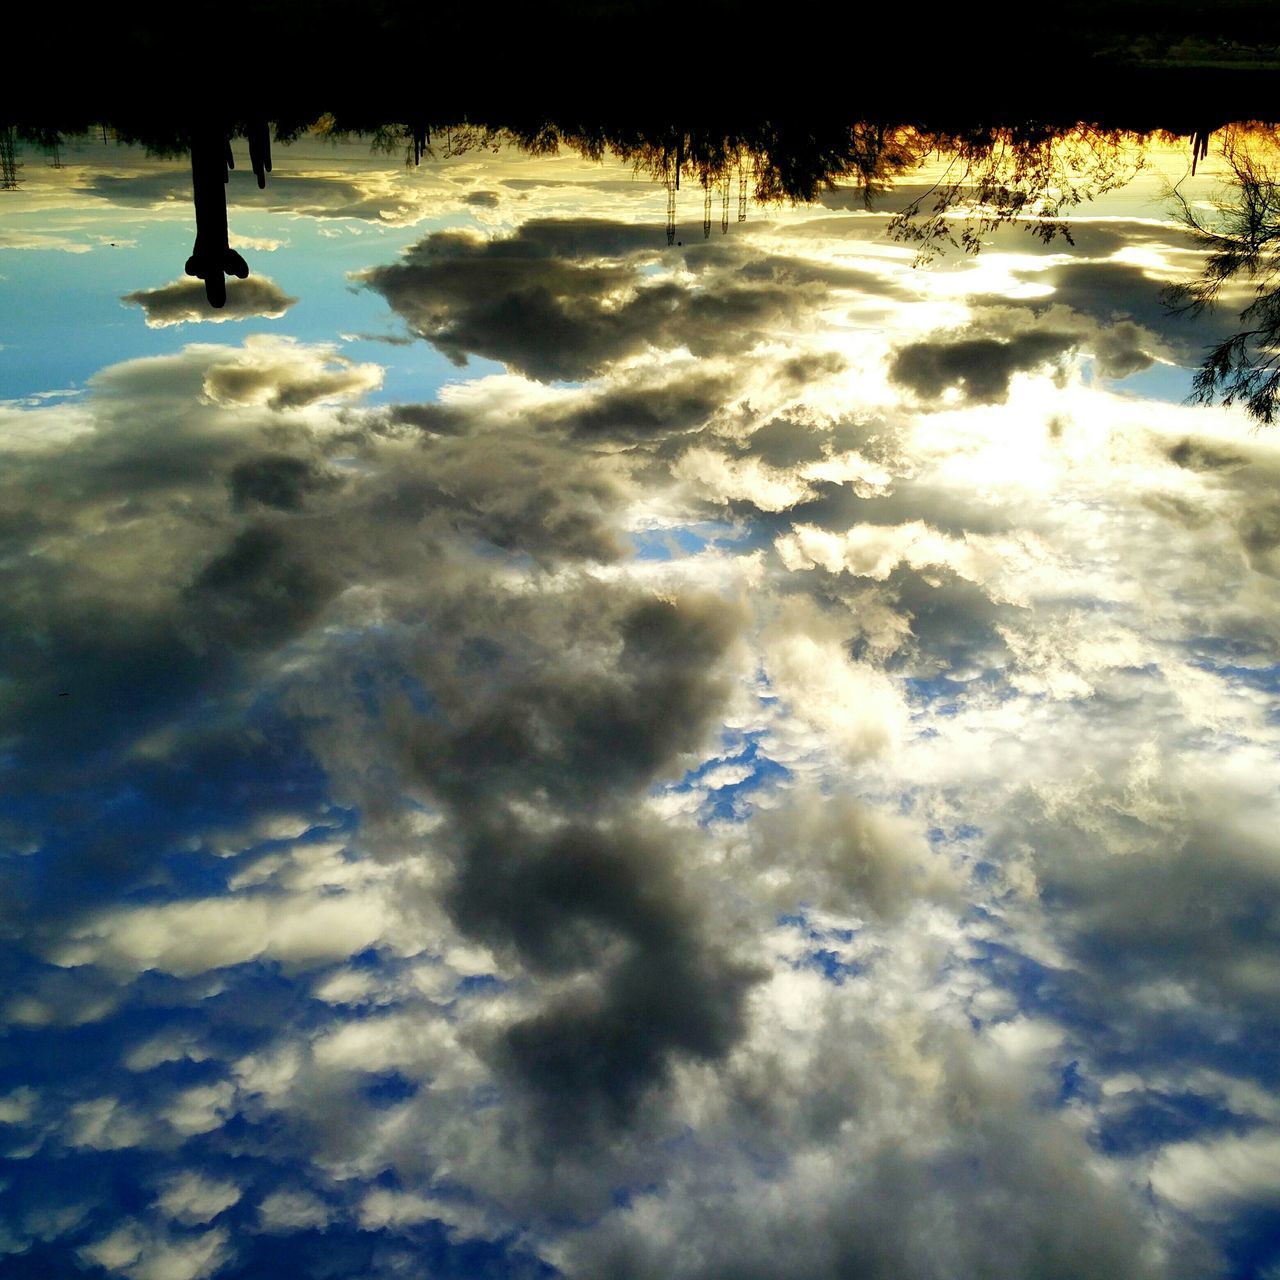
(9,162)
(260,151)
(212,257)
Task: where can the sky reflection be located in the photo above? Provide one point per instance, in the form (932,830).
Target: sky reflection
(528,751)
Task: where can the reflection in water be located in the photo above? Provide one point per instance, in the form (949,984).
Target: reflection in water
(986,177)
(9,162)
(1000,177)
(554,752)
(212,258)
(1239,247)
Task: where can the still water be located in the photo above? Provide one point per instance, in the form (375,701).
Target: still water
(579,726)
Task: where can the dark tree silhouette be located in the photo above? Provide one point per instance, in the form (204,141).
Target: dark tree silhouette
(1241,242)
(1031,174)
(259,134)
(212,258)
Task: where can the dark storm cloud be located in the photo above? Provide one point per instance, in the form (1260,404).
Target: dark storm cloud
(1251,477)
(731,319)
(981,368)
(563,300)
(838,506)
(482,199)
(541,764)
(637,412)
(261,382)
(1111,293)
(785,442)
(543,720)
(805,369)
(108,627)
(1123,348)
(569,727)
(588,1057)
(259,590)
(1205,455)
(152,566)
(953,627)
(1206,913)
(790,441)
(553,714)
(1168,909)
(1093,288)
(184,302)
(118,670)
(137,594)
(141,190)
(433,418)
(981,359)
(541,315)
(1260,535)
(514,491)
(954,624)
(277,480)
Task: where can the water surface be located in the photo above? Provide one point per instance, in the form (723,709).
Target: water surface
(532,749)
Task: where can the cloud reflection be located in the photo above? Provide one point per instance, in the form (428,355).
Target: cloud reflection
(183,302)
(744,791)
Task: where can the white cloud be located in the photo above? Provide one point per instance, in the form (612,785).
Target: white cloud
(1213,1177)
(105,1124)
(285,1211)
(140,1253)
(192,937)
(184,302)
(727,480)
(284,374)
(192,1199)
(18,1105)
(200,1109)
(166,1047)
(381,1208)
(858,709)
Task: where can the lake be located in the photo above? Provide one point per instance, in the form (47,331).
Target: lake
(639,701)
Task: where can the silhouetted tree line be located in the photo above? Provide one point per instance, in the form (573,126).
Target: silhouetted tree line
(1240,243)
(1031,174)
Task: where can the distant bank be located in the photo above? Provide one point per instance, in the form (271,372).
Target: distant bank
(1128,64)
